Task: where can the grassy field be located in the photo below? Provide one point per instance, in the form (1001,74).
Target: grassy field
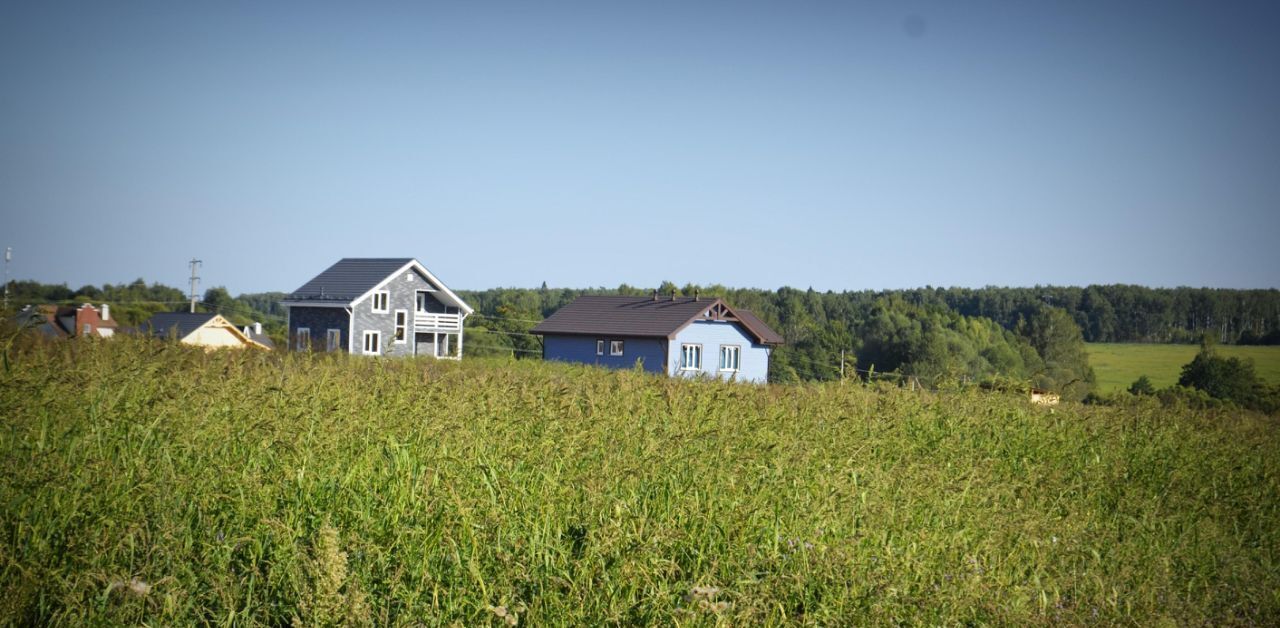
(1117,365)
(145,483)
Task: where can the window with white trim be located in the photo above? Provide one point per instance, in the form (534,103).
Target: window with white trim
(332,339)
(615,347)
(420,301)
(372,342)
(402,321)
(302,339)
(599,347)
(379,301)
(730,357)
(690,357)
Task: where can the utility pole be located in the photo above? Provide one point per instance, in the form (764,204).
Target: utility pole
(8,255)
(194,263)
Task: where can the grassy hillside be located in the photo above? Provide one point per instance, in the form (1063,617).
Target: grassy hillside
(157,484)
(1119,364)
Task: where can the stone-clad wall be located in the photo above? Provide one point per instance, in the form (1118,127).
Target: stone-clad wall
(401,291)
(319,320)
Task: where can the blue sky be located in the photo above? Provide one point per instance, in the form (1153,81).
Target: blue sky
(838,145)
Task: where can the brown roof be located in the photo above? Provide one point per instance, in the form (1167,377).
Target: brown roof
(759,328)
(644,317)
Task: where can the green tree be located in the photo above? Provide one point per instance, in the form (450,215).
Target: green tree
(1142,386)
(1056,337)
(1229,379)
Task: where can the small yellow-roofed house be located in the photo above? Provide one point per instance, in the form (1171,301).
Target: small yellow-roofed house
(207,330)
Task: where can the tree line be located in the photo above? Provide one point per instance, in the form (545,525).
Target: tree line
(997,336)
(850,334)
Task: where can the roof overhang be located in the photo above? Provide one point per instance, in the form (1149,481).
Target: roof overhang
(735,320)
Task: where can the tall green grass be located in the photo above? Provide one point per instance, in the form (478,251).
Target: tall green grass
(151,483)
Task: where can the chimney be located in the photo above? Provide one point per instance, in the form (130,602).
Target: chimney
(106,312)
(673,294)
(655,295)
(257,328)
(697,294)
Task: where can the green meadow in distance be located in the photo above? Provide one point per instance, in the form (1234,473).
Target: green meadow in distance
(150,483)
(1117,365)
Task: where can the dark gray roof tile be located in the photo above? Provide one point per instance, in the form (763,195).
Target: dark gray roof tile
(349,278)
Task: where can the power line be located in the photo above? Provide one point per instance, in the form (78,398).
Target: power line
(505,318)
(496,348)
(499,331)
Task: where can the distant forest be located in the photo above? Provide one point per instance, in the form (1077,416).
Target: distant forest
(932,335)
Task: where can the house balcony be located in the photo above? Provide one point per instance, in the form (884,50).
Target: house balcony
(428,322)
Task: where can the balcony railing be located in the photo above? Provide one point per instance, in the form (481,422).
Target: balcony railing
(424,321)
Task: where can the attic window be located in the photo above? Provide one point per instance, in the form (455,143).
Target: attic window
(408,276)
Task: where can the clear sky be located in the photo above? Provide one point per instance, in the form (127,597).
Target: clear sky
(838,145)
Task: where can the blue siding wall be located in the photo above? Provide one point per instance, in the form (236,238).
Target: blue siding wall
(583,349)
(754,361)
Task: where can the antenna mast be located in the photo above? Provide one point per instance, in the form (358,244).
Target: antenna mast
(194,263)
(8,255)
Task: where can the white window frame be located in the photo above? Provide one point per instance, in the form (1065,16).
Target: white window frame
(420,301)
(688,350)
(599,347)
(302,339)
(617,347)
(332,339)
(382,296)
(401,328)
(377,342)
(725,352)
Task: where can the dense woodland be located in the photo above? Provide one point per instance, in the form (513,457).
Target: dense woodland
(929,336)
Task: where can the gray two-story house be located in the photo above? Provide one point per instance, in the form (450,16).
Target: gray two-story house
(377,306)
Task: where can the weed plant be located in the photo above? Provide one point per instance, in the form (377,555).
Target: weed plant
(147,482)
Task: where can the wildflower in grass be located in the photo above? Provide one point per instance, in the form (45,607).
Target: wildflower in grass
(329,597)
(506,615)
(135,587)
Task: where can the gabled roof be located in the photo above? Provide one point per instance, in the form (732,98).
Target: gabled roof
(184,322)
(353,278)
(646,317)
(764,332)
(349,278)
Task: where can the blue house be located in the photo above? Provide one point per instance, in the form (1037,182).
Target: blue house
(377,306)
(677,336)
